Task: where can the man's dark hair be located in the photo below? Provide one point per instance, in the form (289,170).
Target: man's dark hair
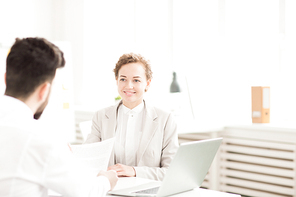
(31,62)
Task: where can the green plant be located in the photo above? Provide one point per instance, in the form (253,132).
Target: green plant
(118,98)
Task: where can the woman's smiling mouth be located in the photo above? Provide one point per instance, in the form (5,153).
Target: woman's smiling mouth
(129,93)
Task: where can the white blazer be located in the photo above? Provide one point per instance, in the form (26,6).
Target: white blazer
(158,145)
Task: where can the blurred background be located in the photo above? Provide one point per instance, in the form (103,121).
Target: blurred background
(218,48)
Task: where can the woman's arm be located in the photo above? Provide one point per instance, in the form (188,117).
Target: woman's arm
(95,135)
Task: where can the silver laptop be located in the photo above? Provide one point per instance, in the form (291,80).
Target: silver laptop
(186,172)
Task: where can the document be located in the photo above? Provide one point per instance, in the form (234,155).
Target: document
(95,155)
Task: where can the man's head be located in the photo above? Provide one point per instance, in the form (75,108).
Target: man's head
(31,62)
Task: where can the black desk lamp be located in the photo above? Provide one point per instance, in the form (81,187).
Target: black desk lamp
(174,85)
(175,88)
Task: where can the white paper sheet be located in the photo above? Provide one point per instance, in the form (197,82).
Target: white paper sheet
(95,155)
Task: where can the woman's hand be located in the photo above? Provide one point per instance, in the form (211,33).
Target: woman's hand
(123,170)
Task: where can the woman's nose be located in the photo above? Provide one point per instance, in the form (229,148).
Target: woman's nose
(130,84)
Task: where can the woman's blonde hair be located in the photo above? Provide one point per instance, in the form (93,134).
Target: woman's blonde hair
(133,58)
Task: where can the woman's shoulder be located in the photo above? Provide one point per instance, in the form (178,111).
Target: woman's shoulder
(106,110)
(159,111)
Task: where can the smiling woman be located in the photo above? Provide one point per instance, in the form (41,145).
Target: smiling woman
(132,84)
(133,75)
(145,137)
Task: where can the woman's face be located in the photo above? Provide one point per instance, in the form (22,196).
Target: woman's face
(131,83)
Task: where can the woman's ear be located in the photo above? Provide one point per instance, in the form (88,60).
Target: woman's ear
(5,78)
(148,85)
(116,81)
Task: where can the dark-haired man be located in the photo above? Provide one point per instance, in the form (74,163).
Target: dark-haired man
(30,164)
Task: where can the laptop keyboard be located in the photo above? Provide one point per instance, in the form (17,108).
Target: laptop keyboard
(148,191)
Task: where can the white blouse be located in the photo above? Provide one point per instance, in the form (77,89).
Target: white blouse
(128,134)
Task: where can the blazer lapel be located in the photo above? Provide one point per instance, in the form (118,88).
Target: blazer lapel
(149,128)
(110,122)
(109,127)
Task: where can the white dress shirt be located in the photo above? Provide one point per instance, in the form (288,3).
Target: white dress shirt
(128,134)
(30,164)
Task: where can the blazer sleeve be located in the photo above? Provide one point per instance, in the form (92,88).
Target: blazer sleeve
(169,148)
(95,135)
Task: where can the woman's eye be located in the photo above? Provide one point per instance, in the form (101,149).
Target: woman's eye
(122,79)
(136,80)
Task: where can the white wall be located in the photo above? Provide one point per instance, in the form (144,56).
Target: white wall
(68,20)
(221,49)
(25,18)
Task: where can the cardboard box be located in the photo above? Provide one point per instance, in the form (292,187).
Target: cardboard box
(260,104)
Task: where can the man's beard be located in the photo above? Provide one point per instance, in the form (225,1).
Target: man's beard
(41,108)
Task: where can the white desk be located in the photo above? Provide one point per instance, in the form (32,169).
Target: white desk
(133,181)
(198,192)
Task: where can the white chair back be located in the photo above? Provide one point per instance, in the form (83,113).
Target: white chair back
(85,128)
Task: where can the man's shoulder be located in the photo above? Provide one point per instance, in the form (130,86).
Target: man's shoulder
(24,132)
(25,140)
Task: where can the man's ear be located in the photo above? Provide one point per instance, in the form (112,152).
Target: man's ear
(44,91)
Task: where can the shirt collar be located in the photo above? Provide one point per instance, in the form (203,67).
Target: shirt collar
(12,104)
(135,110)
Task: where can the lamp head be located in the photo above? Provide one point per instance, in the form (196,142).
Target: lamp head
(174,85)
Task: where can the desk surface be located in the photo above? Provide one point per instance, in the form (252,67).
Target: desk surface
(133,181)
(198,192)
